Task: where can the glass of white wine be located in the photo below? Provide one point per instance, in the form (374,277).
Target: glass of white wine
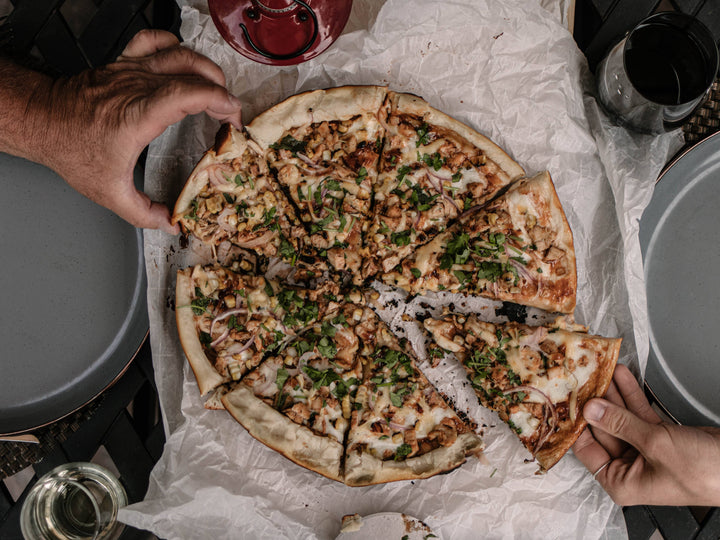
(75,501)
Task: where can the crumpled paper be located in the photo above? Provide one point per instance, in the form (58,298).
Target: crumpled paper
(510,69)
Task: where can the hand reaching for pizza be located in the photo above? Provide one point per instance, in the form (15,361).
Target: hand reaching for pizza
(639,459)
(91,128)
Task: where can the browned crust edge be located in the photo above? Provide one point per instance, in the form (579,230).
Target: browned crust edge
(205,374)
(339,103)
(363,469)
(275,430)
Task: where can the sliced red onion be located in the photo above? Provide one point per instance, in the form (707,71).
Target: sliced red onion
(220,339)
(550,406)
(439,188)
(279,320)
(397,427)
(226,314)
(248,344)
(222,219)
(259,241)
(522,269)
(306,160)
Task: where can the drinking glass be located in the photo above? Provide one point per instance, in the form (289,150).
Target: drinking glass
(75,501)
(659,73)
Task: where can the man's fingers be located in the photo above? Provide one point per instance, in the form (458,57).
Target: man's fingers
(137,209)
(147,42)
(183,61)
(614,446)
(618,422)
(590,452)
(179,98)
(633,395)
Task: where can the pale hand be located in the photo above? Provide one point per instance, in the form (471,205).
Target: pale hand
(650,461)
(91,128)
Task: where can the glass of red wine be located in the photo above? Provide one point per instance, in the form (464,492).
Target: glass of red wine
(659,73)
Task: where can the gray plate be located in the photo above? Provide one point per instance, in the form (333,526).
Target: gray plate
(681,253)
(74,309)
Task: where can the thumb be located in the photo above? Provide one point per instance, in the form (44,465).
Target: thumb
(618,422)
(137,208)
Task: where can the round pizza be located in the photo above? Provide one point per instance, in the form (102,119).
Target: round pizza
(357,185)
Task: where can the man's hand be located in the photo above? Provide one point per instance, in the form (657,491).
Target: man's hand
(648,461)
(91,128)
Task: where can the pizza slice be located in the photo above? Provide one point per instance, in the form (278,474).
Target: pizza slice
(401,428)
(517,248)
(431,170)
(227,322)
(537,379)
(299,400)
(231,198)
(324,147)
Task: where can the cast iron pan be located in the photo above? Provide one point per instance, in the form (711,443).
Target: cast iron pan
(74,306)
(680,240)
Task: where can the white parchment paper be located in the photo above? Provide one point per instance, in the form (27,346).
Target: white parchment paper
(510,69)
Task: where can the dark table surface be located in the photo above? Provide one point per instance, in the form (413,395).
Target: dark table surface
(123,425)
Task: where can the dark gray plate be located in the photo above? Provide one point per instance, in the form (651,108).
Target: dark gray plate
(74,306)
(681,252)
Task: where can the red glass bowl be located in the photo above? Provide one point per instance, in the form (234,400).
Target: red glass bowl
(280,32)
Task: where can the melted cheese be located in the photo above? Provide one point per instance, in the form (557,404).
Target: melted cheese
(558,389)
(525,422)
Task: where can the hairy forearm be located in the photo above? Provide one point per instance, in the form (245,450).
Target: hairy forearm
(23,94)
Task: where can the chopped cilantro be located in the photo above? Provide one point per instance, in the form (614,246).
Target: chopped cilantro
(282,376)
(420,199)
(287,251)
(415,272)
(290,143)
(401,238)
(432,160)
(326,347)
(457,251)
(194,205)
(321,377)
(327,329)
(423,133)
(403,451)
(402,172)
(362,174)
(200,303)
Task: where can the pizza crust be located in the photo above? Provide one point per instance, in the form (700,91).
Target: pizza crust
(229,144)
(338,103)
(207,377)
(364,469)
(272,428)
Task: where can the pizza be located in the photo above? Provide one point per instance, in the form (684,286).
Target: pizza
(432,169)
(401,427)
(348,187)
(318,400)
(323,147)
(517,248)
(536,378)
(231,198)
(227,321)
